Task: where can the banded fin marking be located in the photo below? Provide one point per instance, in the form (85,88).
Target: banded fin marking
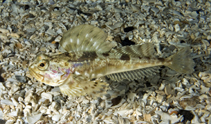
(146,50)
(134,75)
(85,38)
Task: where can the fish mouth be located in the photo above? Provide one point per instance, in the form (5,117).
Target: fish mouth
(35,75)
(40,78)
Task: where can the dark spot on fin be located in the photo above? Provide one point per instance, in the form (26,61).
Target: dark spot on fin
(125,57)
(86,56)
(95,84)
(93,79)
(105,54)
(161,59)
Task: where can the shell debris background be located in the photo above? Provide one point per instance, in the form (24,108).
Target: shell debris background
(28,27)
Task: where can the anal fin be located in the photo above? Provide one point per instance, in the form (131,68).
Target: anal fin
(134,75)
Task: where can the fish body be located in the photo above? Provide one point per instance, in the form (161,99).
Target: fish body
(89,58)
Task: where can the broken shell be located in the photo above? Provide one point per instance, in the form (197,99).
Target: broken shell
(27,30)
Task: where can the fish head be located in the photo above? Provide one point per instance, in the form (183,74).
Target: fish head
(50,70)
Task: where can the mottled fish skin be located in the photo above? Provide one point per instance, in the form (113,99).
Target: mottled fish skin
(80,70)
(52,70)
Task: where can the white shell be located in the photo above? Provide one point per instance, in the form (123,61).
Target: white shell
(153,21)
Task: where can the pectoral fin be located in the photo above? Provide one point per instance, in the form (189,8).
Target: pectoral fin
(94,88)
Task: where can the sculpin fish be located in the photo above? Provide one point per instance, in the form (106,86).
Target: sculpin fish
(89,57)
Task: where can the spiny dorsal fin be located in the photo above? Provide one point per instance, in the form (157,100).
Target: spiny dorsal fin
(134,75)
(85,38)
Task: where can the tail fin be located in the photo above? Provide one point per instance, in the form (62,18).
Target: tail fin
(182,62)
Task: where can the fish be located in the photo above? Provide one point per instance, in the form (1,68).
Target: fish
(89,58)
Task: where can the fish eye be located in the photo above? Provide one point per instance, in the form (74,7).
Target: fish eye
(43,65)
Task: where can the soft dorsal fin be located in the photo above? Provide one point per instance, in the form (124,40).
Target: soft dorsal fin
(146,50)
(143,50)
(85,38)
(134,75)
